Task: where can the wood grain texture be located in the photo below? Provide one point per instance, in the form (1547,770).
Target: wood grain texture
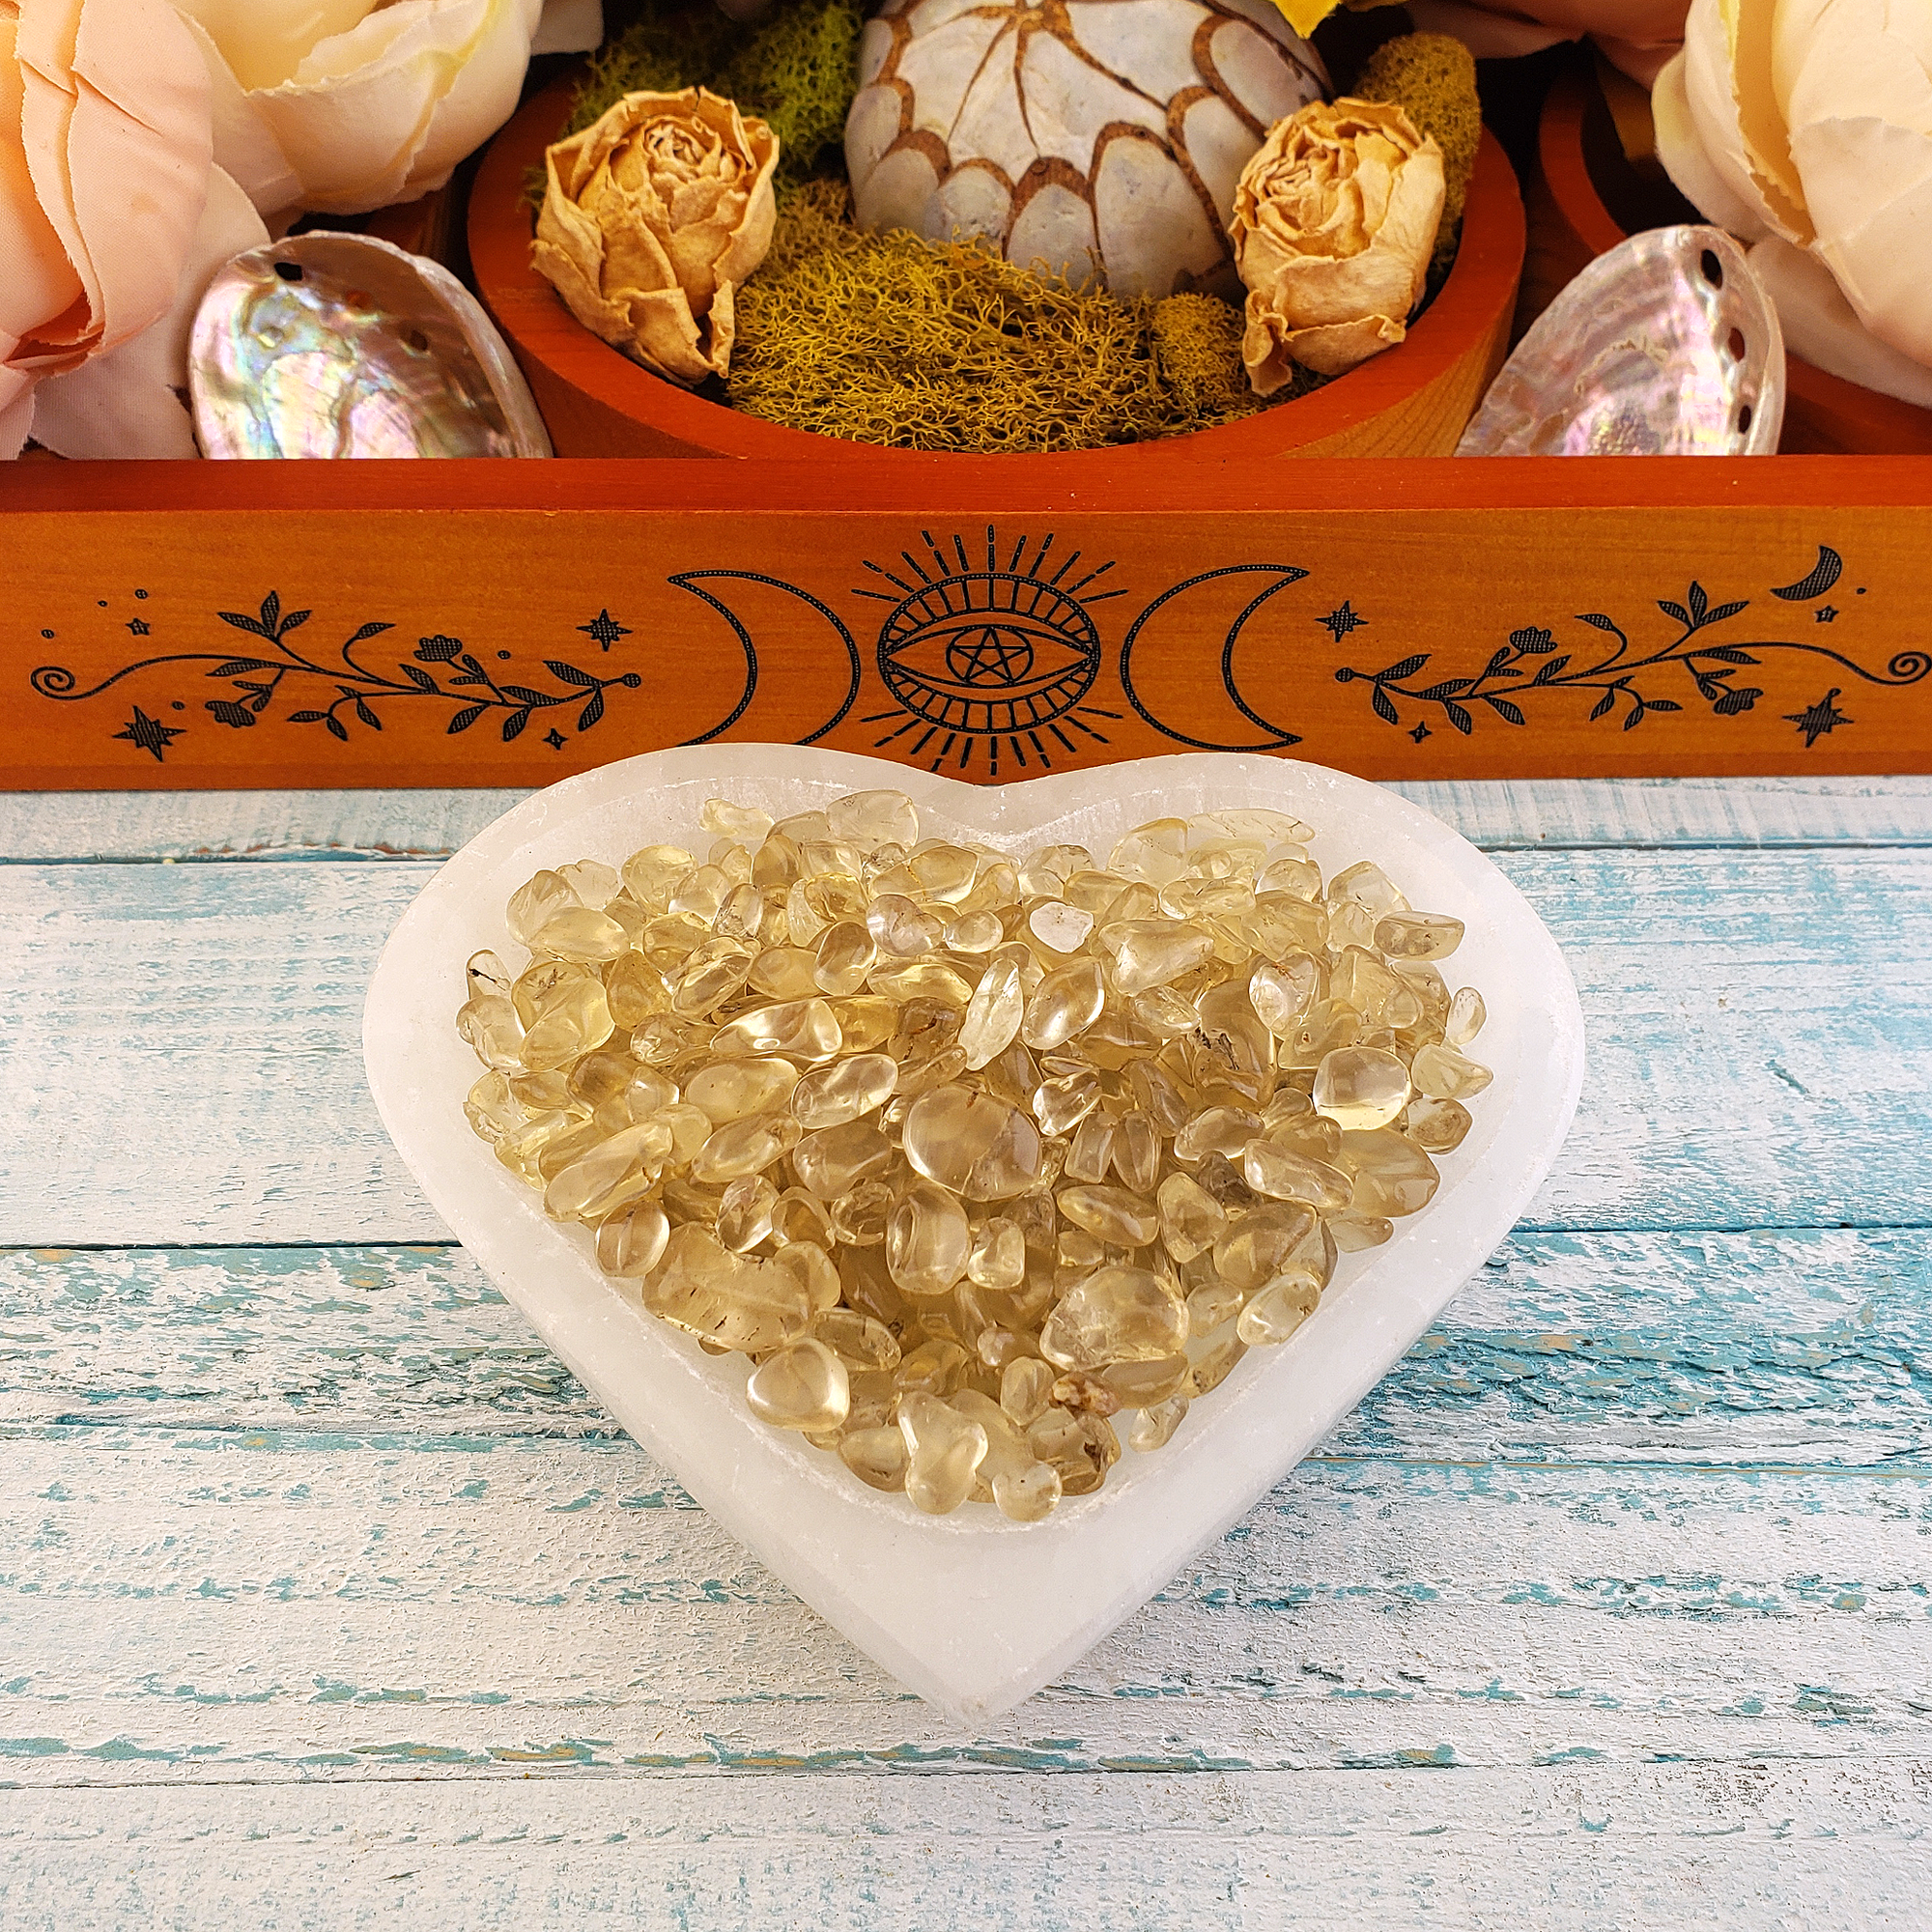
(1499,815)
(327,1598)
(281,1514)
(1725,994)
(1573,1850)
(1421,626)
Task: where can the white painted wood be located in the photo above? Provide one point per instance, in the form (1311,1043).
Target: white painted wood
(264,1607)
(294,1520)
(1589,1849)
(1771,1347)
(1492,812)
(1759,1032)
(299,1532)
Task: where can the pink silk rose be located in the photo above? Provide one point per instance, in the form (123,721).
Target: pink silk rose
(1638,36)
(108,227)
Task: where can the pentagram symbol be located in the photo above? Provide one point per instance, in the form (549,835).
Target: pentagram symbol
(1000,658)
(1001,655)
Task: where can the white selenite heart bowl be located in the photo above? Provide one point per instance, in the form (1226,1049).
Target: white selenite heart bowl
(971,1610)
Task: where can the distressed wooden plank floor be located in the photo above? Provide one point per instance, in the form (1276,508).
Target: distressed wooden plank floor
(327,1597)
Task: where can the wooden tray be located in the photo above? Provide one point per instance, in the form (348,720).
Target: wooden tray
(1411,402)
(1571,226)
(505,623)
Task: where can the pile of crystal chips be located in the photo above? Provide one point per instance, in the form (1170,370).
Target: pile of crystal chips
(983,1162)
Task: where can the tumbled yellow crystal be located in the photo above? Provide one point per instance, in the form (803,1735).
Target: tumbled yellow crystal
(806,1028)
(1276,1310)
(928,1239)
(1466,1017)
(731,1090)
(1393,1176)
(827,1096)
(944,1453)
(1360,1087)
(1112,1214)
(1191,1220)
(1115,1315)
(1418,935)
(631,1245)
(803,1386)
(1444,1074)
(975,1143)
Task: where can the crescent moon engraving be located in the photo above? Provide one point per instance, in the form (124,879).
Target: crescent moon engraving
(693,581)
(1817,581)
(1279,738)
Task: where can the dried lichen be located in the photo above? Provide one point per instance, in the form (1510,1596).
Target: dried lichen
(795,70)
(889,339)
(1432,80)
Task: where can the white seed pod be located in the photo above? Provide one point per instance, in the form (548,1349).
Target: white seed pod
(1100,142)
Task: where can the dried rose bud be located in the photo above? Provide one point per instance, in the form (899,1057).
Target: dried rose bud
(651,218)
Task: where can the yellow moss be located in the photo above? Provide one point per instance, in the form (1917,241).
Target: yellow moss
(795,70)
(889,339)
(1433,78)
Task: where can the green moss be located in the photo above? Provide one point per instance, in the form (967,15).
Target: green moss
(1432,80)
(889,339)
(795,70)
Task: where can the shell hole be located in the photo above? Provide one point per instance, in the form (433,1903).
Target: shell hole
(290,271)
(1743,418)
(1735,343)
(415,339)
(1714,269)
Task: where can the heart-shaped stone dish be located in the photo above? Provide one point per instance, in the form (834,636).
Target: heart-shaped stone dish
(974,1611)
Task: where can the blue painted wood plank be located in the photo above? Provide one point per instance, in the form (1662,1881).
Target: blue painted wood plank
(1760,1030)
(1753,1349)
(1502,815)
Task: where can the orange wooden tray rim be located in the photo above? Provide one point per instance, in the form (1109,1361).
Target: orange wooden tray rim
(632,605)
(1412,401)
(1824,413)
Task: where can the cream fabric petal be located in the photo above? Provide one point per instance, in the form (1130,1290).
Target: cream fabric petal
(1823,329)
(139,155)
(263,42)
(44,36)
(447,76)
(246,147)
(1851,59)
(1687,162)
(37,279)
(1877,242)
(127,402)
(1714,116)
(1638,35)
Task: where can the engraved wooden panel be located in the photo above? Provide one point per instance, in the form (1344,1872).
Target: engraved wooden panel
(502,623)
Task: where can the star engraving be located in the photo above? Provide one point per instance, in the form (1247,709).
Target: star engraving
(1824,613)
(554,738)
(605,629)
(139,626)
(152,735)
(1821,719)
(1420,732)
(1340,623)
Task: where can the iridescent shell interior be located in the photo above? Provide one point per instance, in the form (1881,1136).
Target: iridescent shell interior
(1665,346)
(332,345)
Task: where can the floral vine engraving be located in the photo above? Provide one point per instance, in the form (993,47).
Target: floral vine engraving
(1610,670)
(440,668)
